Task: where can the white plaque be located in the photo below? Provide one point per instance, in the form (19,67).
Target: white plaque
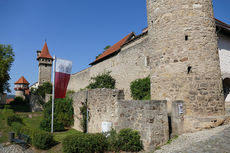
(106,127)
(180,108)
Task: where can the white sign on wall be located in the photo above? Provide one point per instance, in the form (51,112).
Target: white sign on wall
(106,127)
(180,107)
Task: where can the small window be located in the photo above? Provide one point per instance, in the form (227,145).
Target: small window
(147,61)
(186,37)
(45,65)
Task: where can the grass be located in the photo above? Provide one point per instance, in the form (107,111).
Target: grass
(59,136)
(33,122)
(4,128)
(170,140)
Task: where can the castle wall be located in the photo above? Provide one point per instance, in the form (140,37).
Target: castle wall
(107,105)
(129,65)
(184,58)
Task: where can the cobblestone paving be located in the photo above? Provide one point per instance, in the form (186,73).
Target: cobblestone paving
(13,149)
(209,141)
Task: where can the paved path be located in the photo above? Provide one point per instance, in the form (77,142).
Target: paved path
(215,140)
(13,149)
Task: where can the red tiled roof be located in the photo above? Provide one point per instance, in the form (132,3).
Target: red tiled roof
(116,47)
(45,52)
(22,80)
(9,100)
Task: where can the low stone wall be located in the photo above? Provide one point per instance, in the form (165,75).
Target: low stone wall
(107,105)
(34,103)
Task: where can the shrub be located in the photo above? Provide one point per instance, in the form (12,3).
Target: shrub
(19,101)
(42,90)
(46,125)
(16,127)
(129,140)
(140,89)
(42,139)
(83,120)
(82,143)
(113,141)
(63,114)
(13,118)
(104,80)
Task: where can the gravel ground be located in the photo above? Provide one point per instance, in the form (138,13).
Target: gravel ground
(215,140)
(14,149)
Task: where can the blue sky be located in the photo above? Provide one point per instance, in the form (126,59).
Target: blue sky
(75,30)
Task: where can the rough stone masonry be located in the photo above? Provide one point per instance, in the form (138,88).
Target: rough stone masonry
(184,59)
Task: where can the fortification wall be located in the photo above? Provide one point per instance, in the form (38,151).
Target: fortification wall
(130,64)
(184,62)
(107,105)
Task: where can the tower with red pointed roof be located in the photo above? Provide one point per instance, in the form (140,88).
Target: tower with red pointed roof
(21,87)
(45,65)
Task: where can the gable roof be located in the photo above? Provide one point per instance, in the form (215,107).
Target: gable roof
(113,49)
(22,80)
(45,52)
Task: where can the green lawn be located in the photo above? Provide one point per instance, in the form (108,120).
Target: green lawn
(4,129)
(33,122)
(59,136)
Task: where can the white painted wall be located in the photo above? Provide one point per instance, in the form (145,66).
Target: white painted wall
(224,54)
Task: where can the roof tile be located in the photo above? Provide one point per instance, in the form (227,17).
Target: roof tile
(114,48)
(22,80)
(45,52)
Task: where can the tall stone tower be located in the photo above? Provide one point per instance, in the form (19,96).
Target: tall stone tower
(184,59)
(20,87)
(45,65)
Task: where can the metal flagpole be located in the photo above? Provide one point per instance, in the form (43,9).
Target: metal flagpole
(54,67)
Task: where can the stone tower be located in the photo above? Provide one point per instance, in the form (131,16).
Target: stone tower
(45,65)
(20,87)
(184,59)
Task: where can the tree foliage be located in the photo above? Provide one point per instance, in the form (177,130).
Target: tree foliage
(43,89)
(140,89)
(104,80)
(6,60)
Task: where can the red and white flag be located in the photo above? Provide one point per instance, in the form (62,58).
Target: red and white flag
(62,76)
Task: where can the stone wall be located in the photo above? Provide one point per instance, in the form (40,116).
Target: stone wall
(3,98)
(184,61)
(107,105)
(45,70)
(128,65)
(35,106)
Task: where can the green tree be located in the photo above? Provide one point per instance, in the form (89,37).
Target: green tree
(6,60)
(43,89)
(140,89)
(104,80)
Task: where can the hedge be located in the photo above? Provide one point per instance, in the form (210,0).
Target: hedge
(140,89)
(85,143)
(39,139)
(13,118)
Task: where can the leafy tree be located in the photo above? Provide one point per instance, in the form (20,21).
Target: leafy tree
(104,80)
(43,89)
(140,89)
(6,60)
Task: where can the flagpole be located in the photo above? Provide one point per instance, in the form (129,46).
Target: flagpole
(54,67)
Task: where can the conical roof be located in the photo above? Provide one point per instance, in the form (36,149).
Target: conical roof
(22,80)
(45,52)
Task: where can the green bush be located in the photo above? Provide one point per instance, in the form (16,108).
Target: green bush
(16,127)
(13,118)
(42,139)
(7,112)
(104,80)
(46,125)
(113,141)
(140,89)
(43,89)
(63,114)
(85,143)
(83,120)
(129,140)
(19,101)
